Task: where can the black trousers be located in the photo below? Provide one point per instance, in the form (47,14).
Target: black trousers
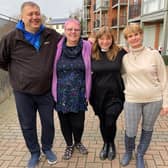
(27,106)
(108,121)
(72,126)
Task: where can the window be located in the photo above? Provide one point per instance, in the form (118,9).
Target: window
(152,5)
(57,26)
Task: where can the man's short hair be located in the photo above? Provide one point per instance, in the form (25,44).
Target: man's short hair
(28,3)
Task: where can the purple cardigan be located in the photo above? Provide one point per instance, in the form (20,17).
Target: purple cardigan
(86,55)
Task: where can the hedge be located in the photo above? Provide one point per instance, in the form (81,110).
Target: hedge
(165,58)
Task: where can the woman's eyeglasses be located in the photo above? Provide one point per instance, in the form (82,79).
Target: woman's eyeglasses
(71,30)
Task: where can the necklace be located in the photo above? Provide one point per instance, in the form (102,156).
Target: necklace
(137,52)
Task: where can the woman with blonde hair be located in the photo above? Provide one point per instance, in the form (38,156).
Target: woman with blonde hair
(146,93)
(107,87)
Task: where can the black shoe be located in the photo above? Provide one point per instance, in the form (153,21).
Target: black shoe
(81,148)
(111,151)
(104,151)
(68,152)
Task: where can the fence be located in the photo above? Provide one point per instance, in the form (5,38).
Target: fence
(6,24)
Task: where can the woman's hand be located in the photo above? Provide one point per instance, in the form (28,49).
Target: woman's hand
(164,111)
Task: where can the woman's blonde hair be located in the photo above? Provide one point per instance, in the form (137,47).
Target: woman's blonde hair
(132,28)
(113,50)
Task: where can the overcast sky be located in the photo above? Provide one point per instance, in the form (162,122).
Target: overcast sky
(50,8)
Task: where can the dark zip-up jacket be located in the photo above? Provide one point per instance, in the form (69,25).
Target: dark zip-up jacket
(30,71)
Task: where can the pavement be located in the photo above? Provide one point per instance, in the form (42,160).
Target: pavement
(14,154)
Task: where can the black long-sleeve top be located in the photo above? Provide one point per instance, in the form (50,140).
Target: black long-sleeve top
(107,84)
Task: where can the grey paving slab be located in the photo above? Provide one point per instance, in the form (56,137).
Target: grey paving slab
(14,154)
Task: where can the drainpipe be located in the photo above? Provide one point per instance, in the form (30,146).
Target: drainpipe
(165,30)
(118,21)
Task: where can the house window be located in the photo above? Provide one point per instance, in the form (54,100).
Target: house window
(152,5)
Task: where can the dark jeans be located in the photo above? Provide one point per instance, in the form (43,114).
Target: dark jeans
(27,106)
(72,125)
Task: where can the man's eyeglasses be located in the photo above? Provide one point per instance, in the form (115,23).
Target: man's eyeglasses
(71,29)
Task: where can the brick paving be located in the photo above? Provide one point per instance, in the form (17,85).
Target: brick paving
(14,154)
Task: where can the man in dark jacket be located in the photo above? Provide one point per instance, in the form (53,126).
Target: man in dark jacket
(27,53)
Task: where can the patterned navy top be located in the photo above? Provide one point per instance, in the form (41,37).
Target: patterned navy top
(71,81)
